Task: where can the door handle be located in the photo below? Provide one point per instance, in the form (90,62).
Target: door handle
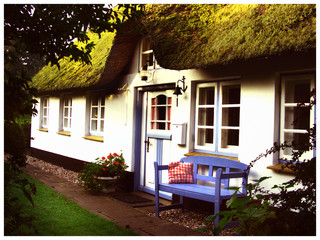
(147,142)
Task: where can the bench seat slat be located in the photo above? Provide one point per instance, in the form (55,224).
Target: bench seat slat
(197,191)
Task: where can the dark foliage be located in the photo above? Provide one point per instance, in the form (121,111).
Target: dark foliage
(50,29)
(35,35)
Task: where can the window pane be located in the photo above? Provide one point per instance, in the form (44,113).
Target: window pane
(102,101)
(67,101)
(45,112)
(153,113)
(65,114)
(45,102)
(297,118)
(102,113)
(231,94)
(206,116)
(229,137)
(231,117)
(297,91)
(94,101)
(65,122)
(94,124)
(162,100)
(298,141)
(44,121)
(161,113)
(206,96)
(161,126)
(205,136)
(94,113)
(101,126)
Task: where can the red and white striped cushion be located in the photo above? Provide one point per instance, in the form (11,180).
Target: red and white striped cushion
(180,172)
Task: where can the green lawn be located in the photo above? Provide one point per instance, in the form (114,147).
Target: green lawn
(56,215)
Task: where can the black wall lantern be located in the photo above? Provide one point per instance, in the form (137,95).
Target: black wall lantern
(177,90)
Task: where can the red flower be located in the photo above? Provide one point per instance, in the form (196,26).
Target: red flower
(103,158)
(122,163)
(109,156)
(116,163)
(105,165)
(103,169)
(115,154)
(83,173)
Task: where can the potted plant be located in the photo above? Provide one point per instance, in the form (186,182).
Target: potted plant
(102,173)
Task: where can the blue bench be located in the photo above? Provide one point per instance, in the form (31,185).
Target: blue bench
(225,169)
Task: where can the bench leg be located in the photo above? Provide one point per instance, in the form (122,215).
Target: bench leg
(216,210)
(157,203)
(181,202)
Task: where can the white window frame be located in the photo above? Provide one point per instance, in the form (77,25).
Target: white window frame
(45,109)
(98,117)
(206,146)
(146,50)
(168,112)
(230,148)
(216,146)
(66,112)
(283,105)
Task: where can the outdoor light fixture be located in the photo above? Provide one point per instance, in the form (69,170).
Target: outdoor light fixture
(144,72)
(177,90)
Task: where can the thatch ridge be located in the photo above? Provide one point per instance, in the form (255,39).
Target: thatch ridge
(197,36)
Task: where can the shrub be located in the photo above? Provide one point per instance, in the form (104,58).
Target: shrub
(112,166)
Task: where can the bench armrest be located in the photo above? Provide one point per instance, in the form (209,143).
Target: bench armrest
(233,175)
(220,175)
(160,167)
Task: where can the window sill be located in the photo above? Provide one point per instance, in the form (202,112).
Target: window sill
(64,133)
(210,155)
(43,129)
(280,167)
(94,138)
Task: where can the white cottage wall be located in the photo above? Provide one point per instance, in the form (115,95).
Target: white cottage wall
(117,137)
(257,121)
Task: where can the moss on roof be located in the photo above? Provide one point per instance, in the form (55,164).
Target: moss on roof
(196,36)
(75,74)
(186,36)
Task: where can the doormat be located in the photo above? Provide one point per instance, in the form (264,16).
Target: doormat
(129,198)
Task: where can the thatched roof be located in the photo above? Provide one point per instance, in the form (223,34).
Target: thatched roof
(110,56)
(191,36)
(197,36)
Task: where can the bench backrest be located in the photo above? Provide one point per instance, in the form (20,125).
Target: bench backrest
(213,162)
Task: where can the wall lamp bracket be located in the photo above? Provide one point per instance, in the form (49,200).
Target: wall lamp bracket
(178,89)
